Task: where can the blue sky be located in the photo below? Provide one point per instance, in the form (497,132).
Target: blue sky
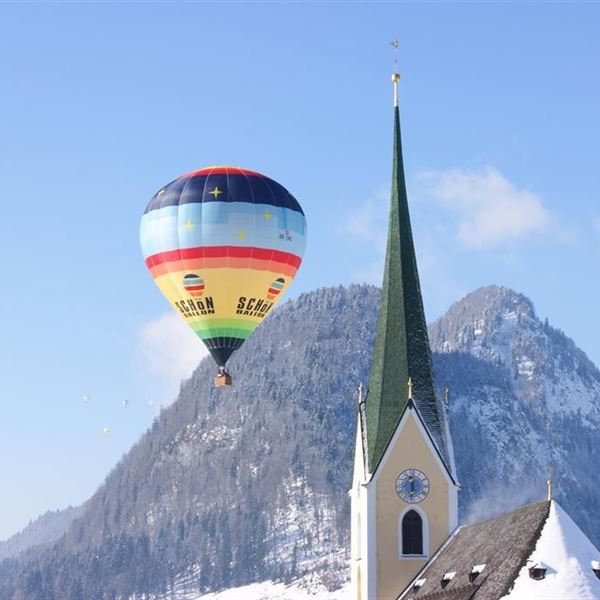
(103,103)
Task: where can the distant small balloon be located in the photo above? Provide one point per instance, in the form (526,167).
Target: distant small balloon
(150,403)
(86,398)
(125,403)
(107,431)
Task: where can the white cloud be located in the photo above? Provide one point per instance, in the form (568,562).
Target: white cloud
(170,351)
(489,209)
(369,223)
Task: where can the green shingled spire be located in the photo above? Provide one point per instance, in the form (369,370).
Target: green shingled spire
(401,343)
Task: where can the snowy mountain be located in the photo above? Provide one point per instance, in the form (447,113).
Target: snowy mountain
(523,397)
(233,487)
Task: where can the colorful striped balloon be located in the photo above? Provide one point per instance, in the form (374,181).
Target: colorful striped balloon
(223,244)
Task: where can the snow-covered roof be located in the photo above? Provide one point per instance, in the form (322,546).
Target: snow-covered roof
(567,555)
(503,550)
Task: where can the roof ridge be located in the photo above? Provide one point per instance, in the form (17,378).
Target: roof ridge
(530,547)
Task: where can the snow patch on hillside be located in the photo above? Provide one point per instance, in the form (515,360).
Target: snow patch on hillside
(303,526)
(267,590)
(328,581)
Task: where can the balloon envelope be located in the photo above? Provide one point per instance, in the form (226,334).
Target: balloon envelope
(223,245)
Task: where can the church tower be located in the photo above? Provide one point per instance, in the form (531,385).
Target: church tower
(404,491)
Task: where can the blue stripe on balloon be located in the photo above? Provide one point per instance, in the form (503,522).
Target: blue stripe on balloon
(221,223)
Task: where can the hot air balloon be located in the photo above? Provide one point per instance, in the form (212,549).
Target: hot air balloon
(223,245)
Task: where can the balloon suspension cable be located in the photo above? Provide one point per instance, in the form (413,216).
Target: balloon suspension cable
(395,74)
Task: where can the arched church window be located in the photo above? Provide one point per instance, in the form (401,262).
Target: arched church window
(412,533)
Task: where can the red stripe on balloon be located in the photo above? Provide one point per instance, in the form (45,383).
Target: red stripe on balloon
(201,264)
(194,288)
(223,252)
(223,171)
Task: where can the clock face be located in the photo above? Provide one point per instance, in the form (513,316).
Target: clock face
(412,486)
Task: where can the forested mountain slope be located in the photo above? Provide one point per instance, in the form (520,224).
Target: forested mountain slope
(44,530)
(234,486)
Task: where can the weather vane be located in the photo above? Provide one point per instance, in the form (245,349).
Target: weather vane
(395,74)
(394,45)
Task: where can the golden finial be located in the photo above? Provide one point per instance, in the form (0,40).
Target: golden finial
(395,80)
(410,385)
(360,393)
(549,483)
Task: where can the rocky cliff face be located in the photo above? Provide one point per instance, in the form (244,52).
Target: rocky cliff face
(234,486)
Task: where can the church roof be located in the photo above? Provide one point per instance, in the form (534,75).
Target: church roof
(503,550)
(401,344)
(502,544)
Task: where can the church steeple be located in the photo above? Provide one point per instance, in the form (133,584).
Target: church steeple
(401,345)
(404,501)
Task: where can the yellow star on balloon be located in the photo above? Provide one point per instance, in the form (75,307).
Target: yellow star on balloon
(267,215)
(216,191)
(240,234)
(189,225)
